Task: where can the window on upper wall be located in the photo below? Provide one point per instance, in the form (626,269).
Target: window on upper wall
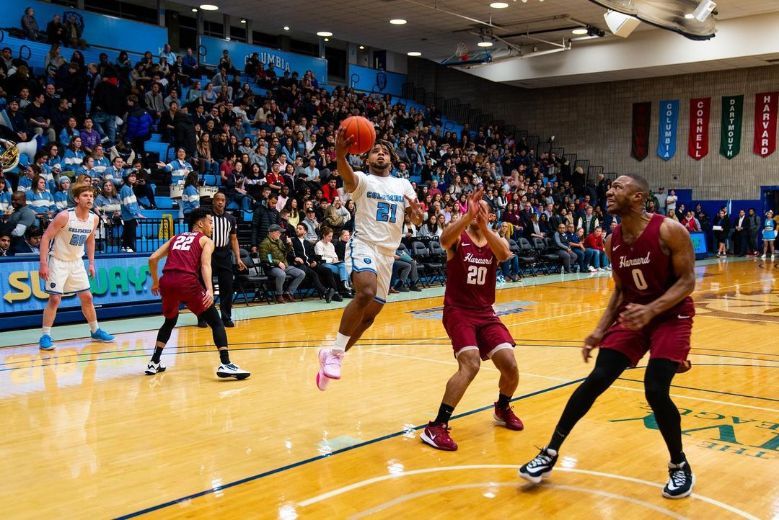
(213,29)
(119,9)
(336,63)
(187,32)
(308,48)
(238,33)
(260,38)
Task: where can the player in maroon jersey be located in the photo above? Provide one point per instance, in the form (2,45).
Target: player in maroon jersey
(650,311)
(187,279)
(473,253)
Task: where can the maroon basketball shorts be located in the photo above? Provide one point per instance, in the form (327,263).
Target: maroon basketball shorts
(480,330)
(177,288)
(665,337)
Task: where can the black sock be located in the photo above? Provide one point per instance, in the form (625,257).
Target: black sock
(503,401)
(444,414)
(224,356)
(157,353)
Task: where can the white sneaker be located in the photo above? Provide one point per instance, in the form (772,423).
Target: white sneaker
(607,268)
(331,367)
(762,257)
(592,269)
(154,368)
(232,370)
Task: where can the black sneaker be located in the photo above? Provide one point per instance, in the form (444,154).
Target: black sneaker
(542,464)
(228,323)
(202,324)
(680,480)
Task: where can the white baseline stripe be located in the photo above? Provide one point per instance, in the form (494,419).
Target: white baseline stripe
(374,480)
(412,496)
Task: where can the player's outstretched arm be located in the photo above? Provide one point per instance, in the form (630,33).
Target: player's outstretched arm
(205,267)
(154,261)
(59,222)
(451,235)
(674,238)
(609,315)
(342,144)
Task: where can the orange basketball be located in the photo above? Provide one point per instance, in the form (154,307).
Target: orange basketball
(363,132)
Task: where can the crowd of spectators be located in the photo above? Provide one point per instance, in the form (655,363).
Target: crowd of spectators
(266,137)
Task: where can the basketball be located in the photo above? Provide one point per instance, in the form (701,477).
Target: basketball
(363,132)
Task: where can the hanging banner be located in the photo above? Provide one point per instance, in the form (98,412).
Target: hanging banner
(698,142)
(765,123)
(642,114)
(730,133)
(669,124)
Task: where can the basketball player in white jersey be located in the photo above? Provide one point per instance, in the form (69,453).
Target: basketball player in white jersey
(62,267)
(383,202)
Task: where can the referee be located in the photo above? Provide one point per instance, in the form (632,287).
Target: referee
(225,239)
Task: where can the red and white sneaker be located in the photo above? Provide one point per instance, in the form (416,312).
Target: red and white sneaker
(506,417)
(321,378)
(330,362)
(437,436)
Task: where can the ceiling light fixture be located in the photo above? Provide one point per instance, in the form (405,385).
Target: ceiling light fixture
(579,31)
(324,34)
(485,44)
(243,20)
(362,47)
(398,21)
(209,7)
(414,53)
(286,27)
(499,5)
(327,39)
(194,9)
(689,16)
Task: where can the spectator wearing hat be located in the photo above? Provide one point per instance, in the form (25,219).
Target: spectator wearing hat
(61,195)
(130,212)
(273,254)
(312,225)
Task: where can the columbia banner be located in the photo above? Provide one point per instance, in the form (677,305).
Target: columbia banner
(669,124)
(698,143)
(642,114)
(765,123)
(730,135)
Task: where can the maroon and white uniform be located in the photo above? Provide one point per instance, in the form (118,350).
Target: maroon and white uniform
(469,318)
(181,281)
(645,273)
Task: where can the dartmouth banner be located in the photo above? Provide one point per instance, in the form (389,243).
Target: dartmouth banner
(698,142)
(730,133)
(667,129)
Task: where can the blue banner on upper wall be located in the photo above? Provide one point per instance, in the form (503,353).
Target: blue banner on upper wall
(282,60)
(117,280)
(667,129)
(376,81)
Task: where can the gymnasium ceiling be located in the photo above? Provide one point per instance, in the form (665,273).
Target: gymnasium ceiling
(436,27)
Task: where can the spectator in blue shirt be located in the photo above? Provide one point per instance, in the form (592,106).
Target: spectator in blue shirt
(40,199)
(190,199)
(130,212)
(74,156)
(179,168)
(69,132)
(61,196)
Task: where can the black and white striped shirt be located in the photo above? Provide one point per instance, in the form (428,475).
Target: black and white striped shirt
(224,226)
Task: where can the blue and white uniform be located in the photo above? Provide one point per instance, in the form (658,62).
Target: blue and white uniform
(67,273)
(378,226)
(178,171)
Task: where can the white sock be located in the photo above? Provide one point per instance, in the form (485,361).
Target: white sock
(46,331)
(340,342)
(93,326)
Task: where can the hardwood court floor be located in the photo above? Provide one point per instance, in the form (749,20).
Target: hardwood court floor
(87,435)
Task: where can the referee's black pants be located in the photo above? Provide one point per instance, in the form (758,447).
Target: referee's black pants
(222,269)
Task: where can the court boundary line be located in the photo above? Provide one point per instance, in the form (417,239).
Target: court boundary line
(412,496)
(367,482)
(713,391)
(303,462)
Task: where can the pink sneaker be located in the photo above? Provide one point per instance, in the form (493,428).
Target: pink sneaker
(330,362)
(321,378)
(437,436)
(506,417)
